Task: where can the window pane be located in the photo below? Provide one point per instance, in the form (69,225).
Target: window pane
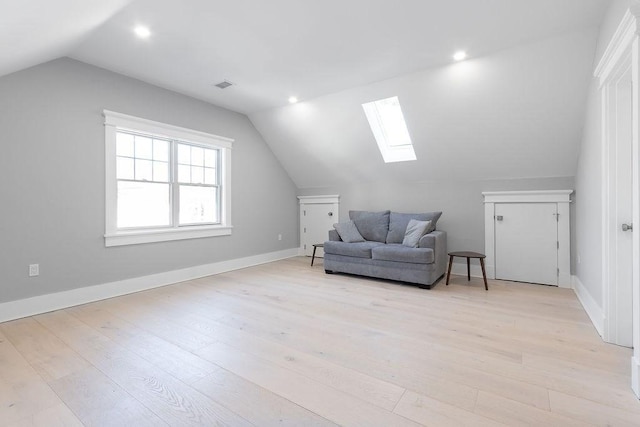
(124,168)
(210,158)
(197,175)
(184,173)
(143,204)
(197,156)
(161,171)
(161,150)
(144,170)
(198,205)
(184,154)
(124,144)
(209,176)
(144,148)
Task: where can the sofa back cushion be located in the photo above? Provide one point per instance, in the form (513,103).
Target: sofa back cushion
(373,226)
(398,224)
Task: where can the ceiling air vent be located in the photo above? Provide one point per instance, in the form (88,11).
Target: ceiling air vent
(223,85)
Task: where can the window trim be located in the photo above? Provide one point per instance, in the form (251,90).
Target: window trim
(115,237)
(390,153)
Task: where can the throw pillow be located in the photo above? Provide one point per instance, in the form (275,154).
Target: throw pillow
(348,232)
(415,230)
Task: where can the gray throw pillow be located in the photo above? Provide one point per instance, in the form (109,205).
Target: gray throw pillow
(398,223)
(348,232)
(415,230)
(373,226)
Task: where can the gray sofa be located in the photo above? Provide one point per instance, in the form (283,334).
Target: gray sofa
(383,255)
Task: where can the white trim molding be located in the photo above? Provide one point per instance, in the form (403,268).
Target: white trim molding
(561,197)
(117,237)
(60,300)
(594,311)
(333,198)
(621,55)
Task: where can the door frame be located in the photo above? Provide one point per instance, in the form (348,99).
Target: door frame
(332,199)
(561,197)
(622,52)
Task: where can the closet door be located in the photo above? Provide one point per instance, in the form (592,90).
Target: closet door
(526,242)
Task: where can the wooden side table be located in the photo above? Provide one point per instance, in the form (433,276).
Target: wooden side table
(315,246)
(468,256)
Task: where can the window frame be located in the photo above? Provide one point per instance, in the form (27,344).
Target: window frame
(391,153)
(131,236)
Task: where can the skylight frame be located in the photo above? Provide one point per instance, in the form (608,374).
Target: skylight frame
(390,130)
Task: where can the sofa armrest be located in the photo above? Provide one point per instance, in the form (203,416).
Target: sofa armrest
(334,236)
(436,240)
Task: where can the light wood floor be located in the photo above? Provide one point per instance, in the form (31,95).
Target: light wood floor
(285,344)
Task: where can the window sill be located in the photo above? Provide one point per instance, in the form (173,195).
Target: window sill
(137,237)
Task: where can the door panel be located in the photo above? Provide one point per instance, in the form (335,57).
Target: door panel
(622,268)
(316,220)
(526,242)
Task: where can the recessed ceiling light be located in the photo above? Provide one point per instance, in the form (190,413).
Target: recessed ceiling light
(293,100)
(460,55)
(142,32)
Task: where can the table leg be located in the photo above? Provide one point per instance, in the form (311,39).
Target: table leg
(484,274)
(468,268)
(313,256)
(449,270)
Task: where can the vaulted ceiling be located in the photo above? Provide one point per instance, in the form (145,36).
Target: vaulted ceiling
(520,96)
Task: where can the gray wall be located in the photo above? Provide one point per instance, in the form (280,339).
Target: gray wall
(460,201)
(52,191)
(589,172)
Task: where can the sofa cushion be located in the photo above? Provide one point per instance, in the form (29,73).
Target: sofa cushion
(348,232)
(415,230)
(401,253)
(358,250)
(398,224)
(373,226)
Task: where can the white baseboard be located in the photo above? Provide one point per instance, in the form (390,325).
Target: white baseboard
(635,376)
(56,301)
(594,311)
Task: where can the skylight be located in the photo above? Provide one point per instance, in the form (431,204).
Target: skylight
(390,130)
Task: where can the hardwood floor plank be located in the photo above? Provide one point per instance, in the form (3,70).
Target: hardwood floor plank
(170,399)
(591,412)
(514,413)
(257,404)
(325,401)
(56,416)
(167,356)
(48,355)
(98,401)
(432,412)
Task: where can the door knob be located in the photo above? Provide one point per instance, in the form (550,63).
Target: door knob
(330,213)
(627,227)
(499,218)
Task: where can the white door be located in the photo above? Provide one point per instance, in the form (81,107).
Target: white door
(621,310)
(526,242)
(316,219)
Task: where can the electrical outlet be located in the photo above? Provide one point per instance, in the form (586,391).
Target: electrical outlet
(34,270)
(279,236)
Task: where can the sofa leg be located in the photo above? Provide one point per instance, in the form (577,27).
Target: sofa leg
(328,272)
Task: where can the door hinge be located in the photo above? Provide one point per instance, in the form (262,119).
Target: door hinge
(305,230)
(304,213)
(558,272)
(558,244)
(305,247)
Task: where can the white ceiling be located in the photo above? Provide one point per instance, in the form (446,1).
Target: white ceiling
(277,48)
(517,113)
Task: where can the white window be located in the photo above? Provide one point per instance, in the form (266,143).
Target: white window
(390,129)
(164,182)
